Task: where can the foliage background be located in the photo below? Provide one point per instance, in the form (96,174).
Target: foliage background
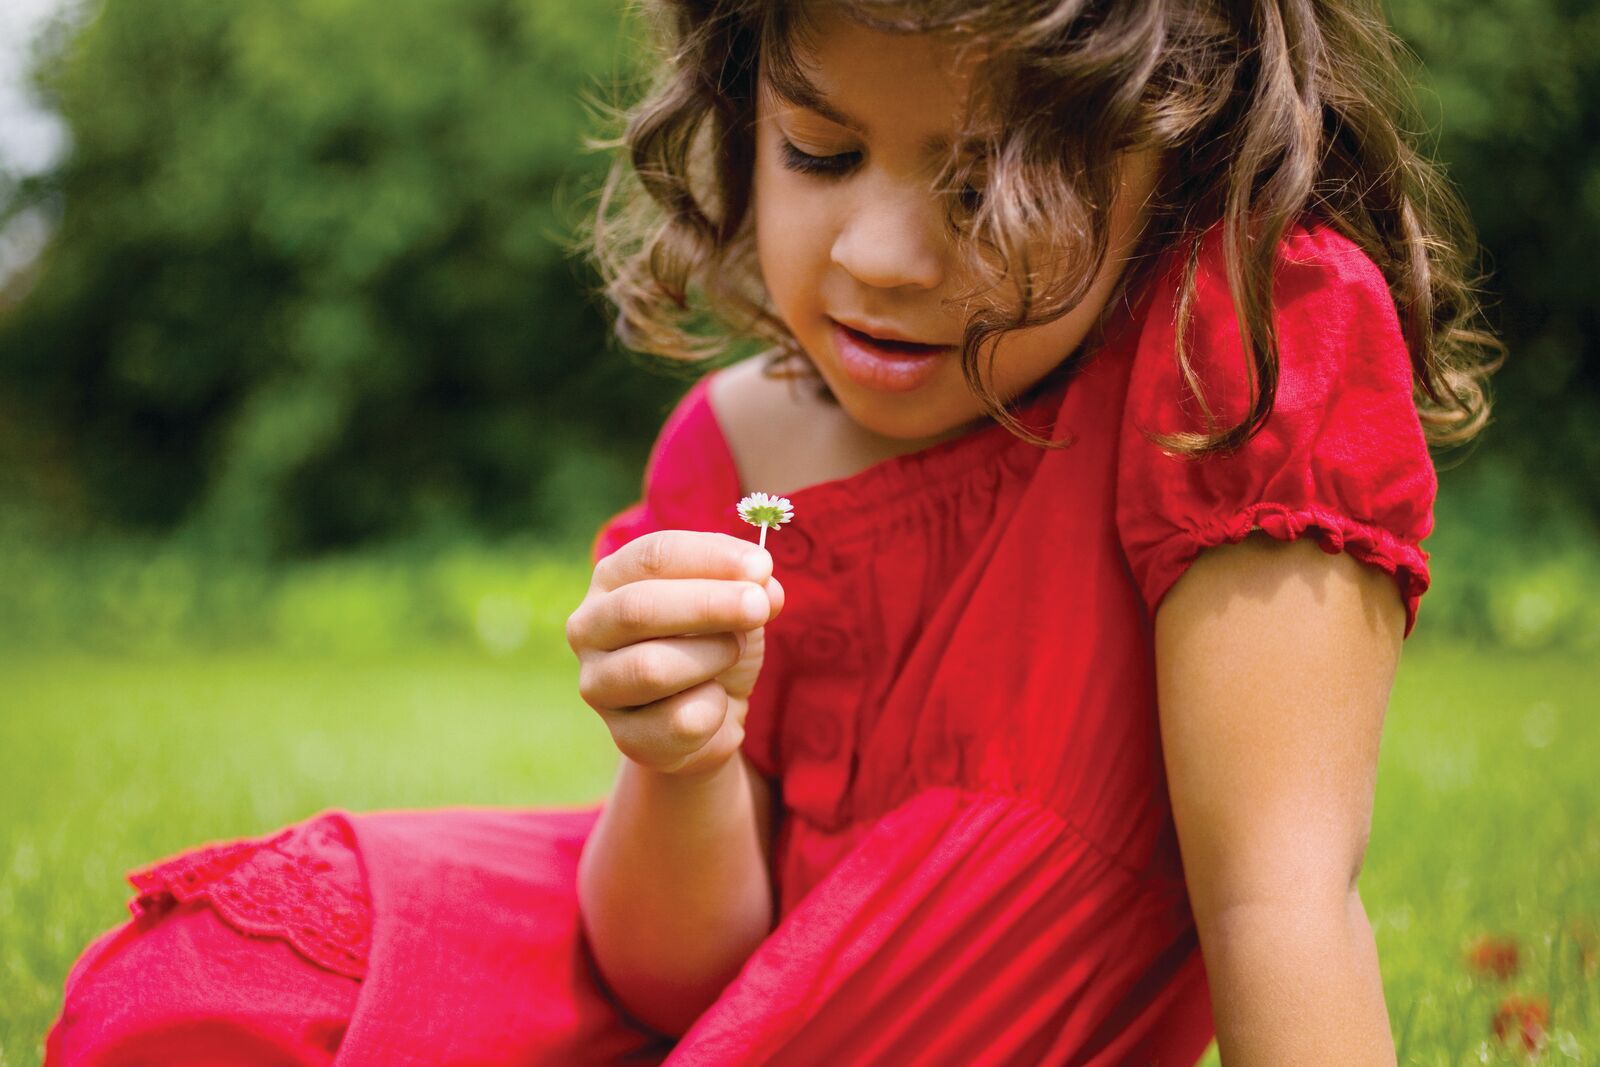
(308,288)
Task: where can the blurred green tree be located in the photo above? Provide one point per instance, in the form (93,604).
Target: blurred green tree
(307,288)
(1512,90)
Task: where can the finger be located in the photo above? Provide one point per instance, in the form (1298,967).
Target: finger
(683,554)
(649,671)
(670,733)
(669,607)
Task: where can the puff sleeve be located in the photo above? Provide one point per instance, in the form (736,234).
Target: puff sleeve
(1342,455)
(690,481)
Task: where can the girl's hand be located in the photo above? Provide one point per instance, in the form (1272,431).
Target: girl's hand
(669,640)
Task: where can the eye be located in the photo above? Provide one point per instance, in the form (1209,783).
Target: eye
(974,191)
(805,163)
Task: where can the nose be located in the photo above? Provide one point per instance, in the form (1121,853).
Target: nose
(890,238)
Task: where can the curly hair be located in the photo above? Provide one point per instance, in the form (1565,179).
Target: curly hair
(1261,112)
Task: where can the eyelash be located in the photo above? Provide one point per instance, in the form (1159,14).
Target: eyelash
(837,166)
(825,166)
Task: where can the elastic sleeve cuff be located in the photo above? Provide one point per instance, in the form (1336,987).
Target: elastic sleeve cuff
(1405,562)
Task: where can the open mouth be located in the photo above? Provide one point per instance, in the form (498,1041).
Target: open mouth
(905,348)
(891,366)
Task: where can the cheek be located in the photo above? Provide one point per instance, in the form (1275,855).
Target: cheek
(1023,358)
(791,231)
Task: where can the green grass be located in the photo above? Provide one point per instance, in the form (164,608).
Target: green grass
(1486,816)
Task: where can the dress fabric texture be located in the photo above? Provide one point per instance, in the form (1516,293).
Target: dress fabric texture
(976,861)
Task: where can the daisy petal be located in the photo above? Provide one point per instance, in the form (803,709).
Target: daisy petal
(764,509)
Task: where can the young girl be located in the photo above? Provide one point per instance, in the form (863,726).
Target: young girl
(1046,732)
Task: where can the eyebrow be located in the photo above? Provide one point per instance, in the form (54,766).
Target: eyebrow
(794,88)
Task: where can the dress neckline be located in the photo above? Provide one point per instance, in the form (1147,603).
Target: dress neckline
(879,485)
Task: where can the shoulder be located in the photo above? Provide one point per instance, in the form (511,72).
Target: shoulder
(754,410)
(782,435)
(1335,324)
(733,428)
(1338,289)
(1317,272)
(756,413)
(1311,246)
(1341,453)
(1314,263)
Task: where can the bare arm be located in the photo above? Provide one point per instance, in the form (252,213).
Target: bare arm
(674,888)
(1274,667)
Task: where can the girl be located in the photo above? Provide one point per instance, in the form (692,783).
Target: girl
(1105,341)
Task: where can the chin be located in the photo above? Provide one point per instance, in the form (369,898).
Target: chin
(905,419)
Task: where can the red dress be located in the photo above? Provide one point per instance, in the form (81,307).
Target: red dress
(977,862)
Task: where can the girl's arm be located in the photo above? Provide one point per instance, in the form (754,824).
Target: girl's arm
(674,889)
(1274,664)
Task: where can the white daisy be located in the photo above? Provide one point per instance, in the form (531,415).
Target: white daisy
(764,510)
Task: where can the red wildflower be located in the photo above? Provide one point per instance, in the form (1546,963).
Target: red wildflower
(1493,955)
(1523,1018)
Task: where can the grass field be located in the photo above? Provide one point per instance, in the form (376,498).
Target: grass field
(1487,820)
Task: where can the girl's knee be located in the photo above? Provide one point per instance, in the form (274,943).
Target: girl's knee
(186,988)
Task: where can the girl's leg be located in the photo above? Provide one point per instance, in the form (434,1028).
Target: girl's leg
(415,937)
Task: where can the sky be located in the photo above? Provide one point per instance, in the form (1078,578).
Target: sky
(30,138)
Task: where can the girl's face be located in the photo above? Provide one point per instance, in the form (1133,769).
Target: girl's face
(849,230)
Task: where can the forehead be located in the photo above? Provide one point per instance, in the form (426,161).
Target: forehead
(872,80)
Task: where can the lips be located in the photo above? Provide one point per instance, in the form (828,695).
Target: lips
(893,366)
(891,340)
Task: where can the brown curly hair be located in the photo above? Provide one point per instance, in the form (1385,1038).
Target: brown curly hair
(1262,112)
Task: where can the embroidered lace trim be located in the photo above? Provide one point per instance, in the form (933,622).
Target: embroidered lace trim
(284,886)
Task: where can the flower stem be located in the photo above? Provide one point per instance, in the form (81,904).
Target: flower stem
(763,541)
